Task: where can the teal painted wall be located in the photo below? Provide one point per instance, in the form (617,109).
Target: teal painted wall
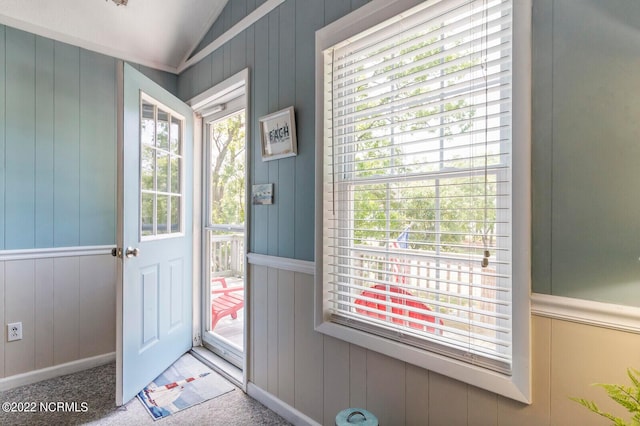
(58,132)
(57,143)
(585,135)
(279,52)
(586,150)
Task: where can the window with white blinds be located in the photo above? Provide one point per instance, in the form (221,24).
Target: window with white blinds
(417,171)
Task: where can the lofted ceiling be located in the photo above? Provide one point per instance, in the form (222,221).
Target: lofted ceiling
(157,33)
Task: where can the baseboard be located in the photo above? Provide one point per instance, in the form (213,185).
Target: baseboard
(55,371)
(283,409)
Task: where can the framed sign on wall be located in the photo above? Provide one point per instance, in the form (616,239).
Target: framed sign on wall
(278,133)
(262,194)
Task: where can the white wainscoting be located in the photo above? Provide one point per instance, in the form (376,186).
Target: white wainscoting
(308,377)
(66,301)
(55,371)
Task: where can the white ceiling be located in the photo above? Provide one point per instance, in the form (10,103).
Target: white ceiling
(157,33)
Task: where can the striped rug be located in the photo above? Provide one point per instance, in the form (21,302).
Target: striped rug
(186,383)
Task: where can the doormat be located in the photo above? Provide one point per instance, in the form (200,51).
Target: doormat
(186,383)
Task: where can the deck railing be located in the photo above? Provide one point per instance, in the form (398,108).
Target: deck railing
(227,254)
(450,282)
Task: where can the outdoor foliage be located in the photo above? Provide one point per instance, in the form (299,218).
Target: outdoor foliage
(443,213)
(228,170)
(161,171)
(626,396)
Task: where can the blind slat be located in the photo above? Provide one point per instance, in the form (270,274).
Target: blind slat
(371,47)
(417,169)
(447,96)
(432,292)
(444,63)
(444,258)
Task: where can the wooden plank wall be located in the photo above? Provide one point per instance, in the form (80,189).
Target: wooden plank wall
(67,308)
(320,376)
(58,144)
(3,92)
(585,225)
(279,52)
(57,189)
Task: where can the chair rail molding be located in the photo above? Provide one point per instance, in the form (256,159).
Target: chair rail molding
(284,263)
(46,253)
(599,314)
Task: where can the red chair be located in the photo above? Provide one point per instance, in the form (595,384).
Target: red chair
(230,301)
(416,314)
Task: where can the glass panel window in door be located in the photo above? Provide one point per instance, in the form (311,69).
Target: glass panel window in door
(160,170)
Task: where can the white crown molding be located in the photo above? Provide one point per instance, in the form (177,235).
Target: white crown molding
(45,253)
(607,315)
(283,263)
(240,26)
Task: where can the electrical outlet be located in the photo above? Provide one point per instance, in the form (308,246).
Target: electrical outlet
(14,331)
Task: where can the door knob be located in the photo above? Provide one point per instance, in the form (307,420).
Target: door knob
(116,252)
(132,252)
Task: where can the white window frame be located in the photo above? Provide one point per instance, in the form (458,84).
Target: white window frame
(516,386)
(180,232)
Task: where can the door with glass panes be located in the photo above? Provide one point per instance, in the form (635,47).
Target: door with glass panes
(155,232)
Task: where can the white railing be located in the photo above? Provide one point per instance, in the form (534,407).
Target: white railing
(227,254)
(447,282)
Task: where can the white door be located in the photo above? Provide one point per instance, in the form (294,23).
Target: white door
(155,197)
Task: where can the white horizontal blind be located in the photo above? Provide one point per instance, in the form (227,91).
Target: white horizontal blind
(417,178)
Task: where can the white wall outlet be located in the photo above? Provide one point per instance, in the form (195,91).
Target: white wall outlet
(14,331)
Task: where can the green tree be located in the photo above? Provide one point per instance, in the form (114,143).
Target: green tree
(448,213)
(228,170)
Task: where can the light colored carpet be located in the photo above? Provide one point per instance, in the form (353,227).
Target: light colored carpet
(96,388)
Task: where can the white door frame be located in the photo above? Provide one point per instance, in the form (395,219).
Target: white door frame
(202,104)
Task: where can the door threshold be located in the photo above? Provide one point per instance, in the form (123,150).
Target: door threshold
(219,365)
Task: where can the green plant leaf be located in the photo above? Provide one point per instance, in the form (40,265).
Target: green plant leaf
(594,408)
(626,396)
(622,395)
